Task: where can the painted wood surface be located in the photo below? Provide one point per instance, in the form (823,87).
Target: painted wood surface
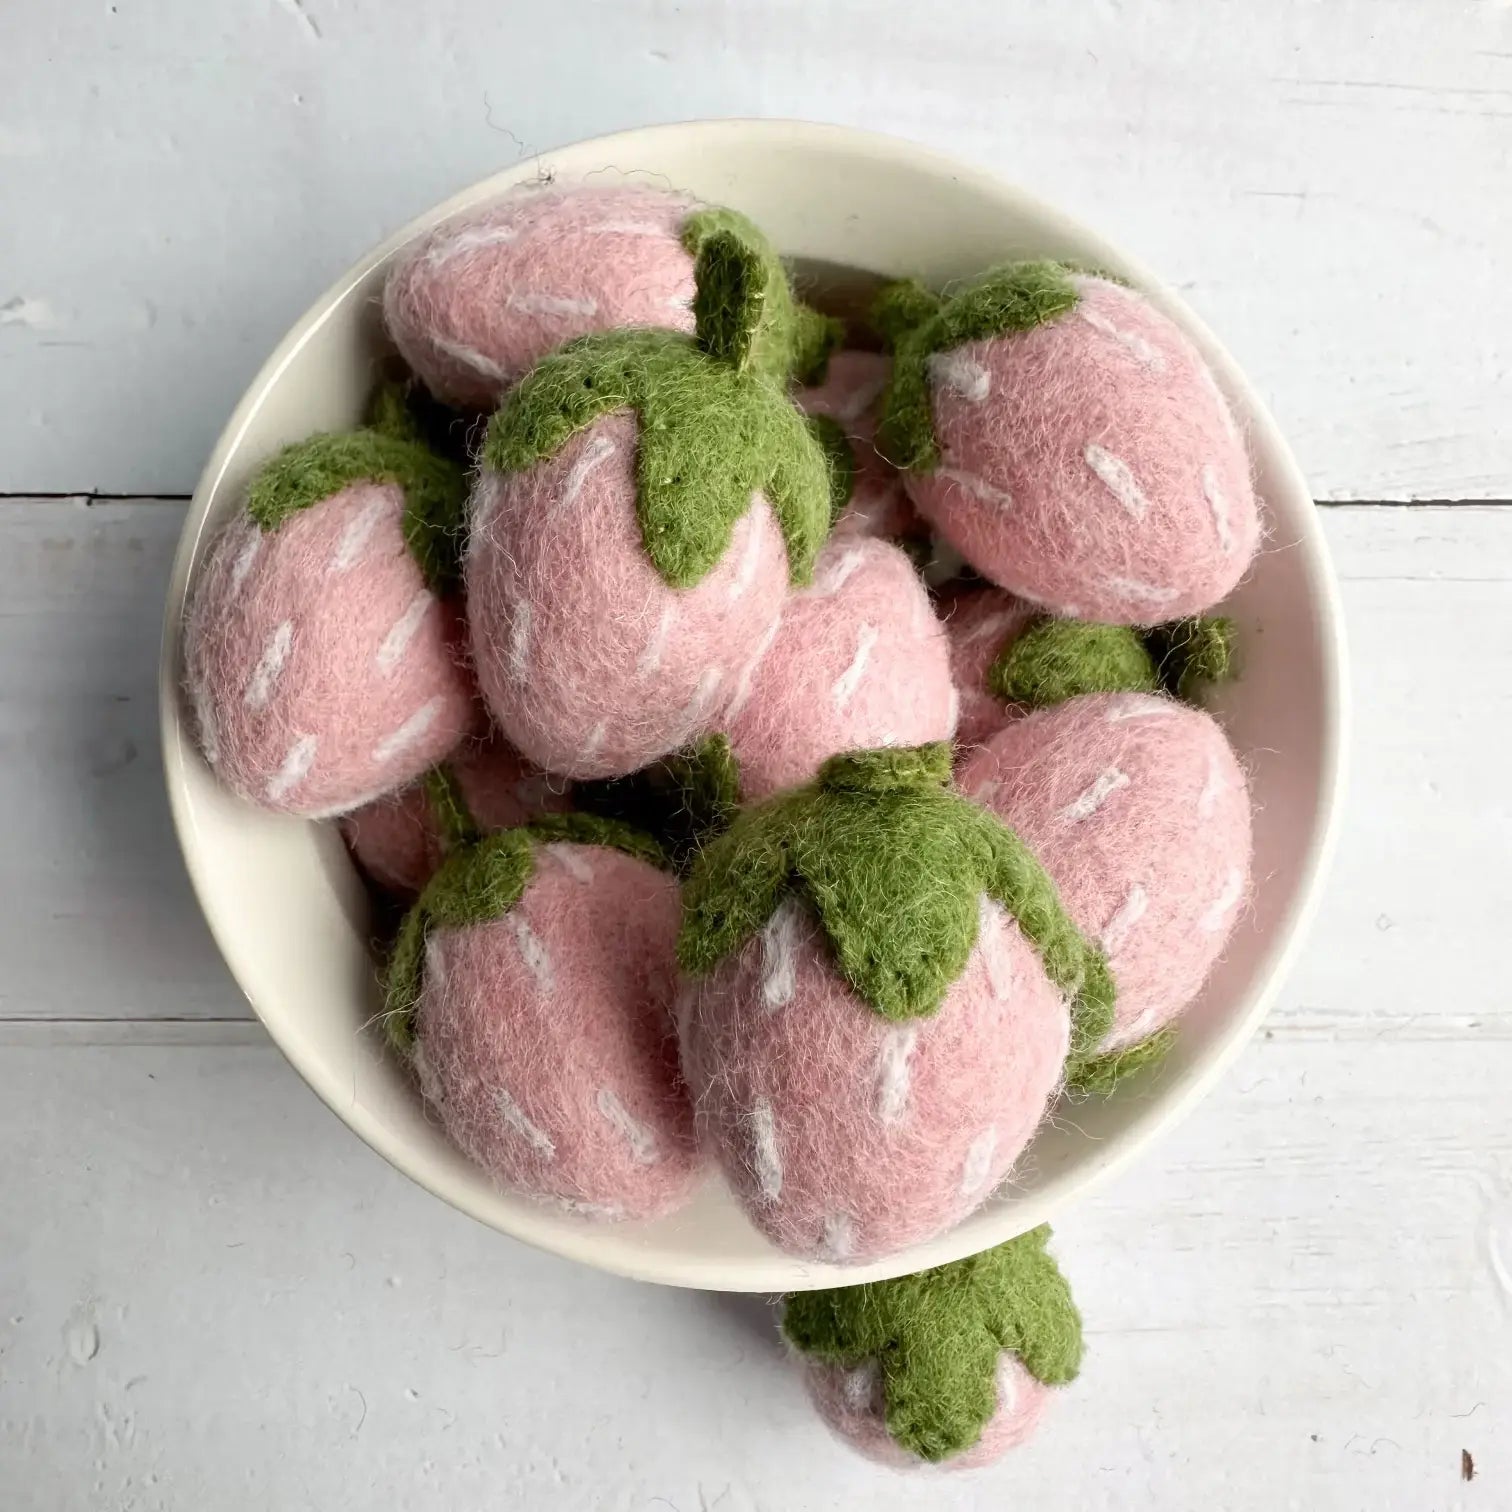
(1327,183)
(212,1296)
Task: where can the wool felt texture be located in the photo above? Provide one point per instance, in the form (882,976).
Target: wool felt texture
(894,867)
(682,801)
(948,1365)
(1052,660)
(479,301)
(1139,809)
(486,785)
(322,669)
(709,436)
(590,662)
(744,307)
(859,661)
(480,882)
(476,303)
(845,1135)
(981,624)
(435,490)
(840,461)
(543,1037)
(1079,455)
(849,398)
(1192,654)
(642,506)
(853,1406)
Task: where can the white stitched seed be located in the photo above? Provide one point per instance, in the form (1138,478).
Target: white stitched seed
(750,559)
(748,673)
(1147,355)
(533,952)
(625,228)
(1150,594)
(1223,905)
(595,741)
(470,357)
(642,1141)
(837,572)
(978,488)
(1114,474)
(358,532)
(650,659)
(895,1071)
(1008,1380)
(780,939)
(765,1156)
(961,374)
(269,666)
(474,239)
(861,398)
(295,768)
(859,1386)
(953,710)
(978,1163)
(598,451)
(572,861)
(850,679)
(1116,932)
(1137,706)
(839,1239)
(431,1088)
(1219,505)
(436,964)
(552,304)
(580,1207)
(245,558)
(402,632)
(408,733)
(512,1116)
(1086,804)
(519,639)
(204,719)
(993,625)
(1212,788)
(701,705)
(992,941)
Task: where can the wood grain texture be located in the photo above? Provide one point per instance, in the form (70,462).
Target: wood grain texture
(212,1296)
(1325,183)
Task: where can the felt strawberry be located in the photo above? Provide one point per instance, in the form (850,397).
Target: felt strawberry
(882,991)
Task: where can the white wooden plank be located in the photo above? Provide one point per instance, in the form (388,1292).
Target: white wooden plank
(98,919)
(94,880)
(1324,1249)
(212,1296)
(1325,182)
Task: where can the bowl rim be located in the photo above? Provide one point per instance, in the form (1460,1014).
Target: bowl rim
(593,1245)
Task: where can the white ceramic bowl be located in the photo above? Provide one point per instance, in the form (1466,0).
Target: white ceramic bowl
(286,907)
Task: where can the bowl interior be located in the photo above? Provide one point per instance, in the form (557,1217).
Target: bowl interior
(287,908)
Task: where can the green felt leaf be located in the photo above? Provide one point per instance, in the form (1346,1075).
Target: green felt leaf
(839,458)
(1052,660)
(893,866)
(435,490)
(917,324)
(1193,653)
(744,306)
(684,800)
(1101,1075)
(479,882)
(937,1335)
(710,435)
